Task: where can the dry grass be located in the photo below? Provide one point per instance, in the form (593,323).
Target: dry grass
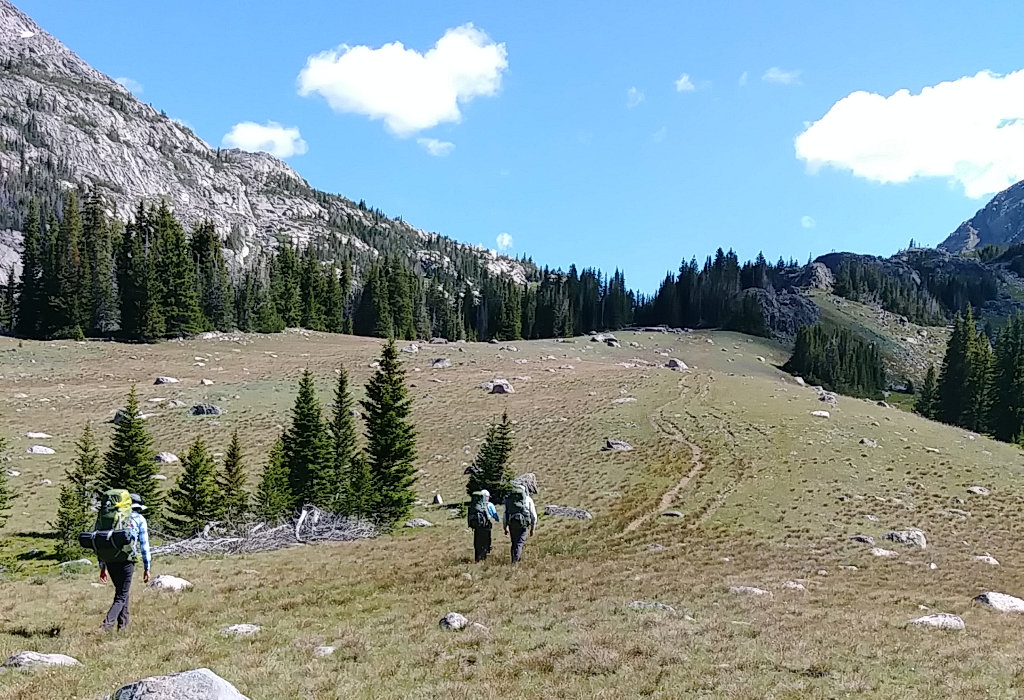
(779,495)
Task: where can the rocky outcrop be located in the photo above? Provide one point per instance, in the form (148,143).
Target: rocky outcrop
(784,312)
(1000,222)
(69,123)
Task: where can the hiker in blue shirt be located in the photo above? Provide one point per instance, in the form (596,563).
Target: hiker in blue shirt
(481,513)
(121,572)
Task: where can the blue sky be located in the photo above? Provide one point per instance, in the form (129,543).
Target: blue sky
(570,126)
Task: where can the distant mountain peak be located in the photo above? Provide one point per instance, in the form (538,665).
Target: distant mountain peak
(1000,222)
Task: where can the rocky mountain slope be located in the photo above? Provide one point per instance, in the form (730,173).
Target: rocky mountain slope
(1000,222)
(64,123)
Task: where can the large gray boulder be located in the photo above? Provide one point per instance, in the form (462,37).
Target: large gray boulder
(617,446)
(200,684)
(206,409)
(567,512)
(33,659)
(942,621)
(165,380)
(454,621)
(912,537)
(1000,602)
(502,386)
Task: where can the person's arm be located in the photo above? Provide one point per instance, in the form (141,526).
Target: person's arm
(493,512)
(533,516)
(144,547)
(504,519)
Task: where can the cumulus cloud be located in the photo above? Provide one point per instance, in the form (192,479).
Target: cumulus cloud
(685,84)
(131,85)
(968,131)
(435,147)
(778,76)
(272,138)
(410,91)
(504,241)
(808,222)
(634,97)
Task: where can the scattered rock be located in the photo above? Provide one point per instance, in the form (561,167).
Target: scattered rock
(46,482)
(760,359)
(931,450)
(165,380)
(567,512)
(438,341)
(908,537)
(412,348)
(648,605)
(612,343)
(624,399)
(32,659)
(21,395)
(979,491)
(793,586)
(40,450)
(438,501)
(987,559)
(617,446)
(868,442)
(884,553)
(165,457)
(675,364)
(863,539)
(566,367)
(453,621)
(508,348)
(323,652)
(199,684)
(206,409)
(942,621)
(440,363)
(38,436)
(821,414)
(747,590)
(206,382)
(657,548)
(799,381)
(166,582)
(419,522)
(158,477)
(76,562)
(672,514)
(1000,602)
(498,386)
(12,473)
(241,631)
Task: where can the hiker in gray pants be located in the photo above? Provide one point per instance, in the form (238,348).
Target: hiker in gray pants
(520,518)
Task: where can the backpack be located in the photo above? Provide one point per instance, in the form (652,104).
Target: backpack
(516,511)
(477,516)
(111,538)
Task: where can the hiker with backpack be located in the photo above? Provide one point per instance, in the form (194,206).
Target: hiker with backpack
(520,518)
(481,512)
(120,539)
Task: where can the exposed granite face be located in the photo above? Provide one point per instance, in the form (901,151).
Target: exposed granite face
(1000,222)
(57,109)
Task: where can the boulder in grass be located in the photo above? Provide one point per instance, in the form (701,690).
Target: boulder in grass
(206,409)
(411,348)
(987,559)
(241,631)
(454,621)
(747,590)
(502,386)
(912,537)
(438,501)
(884,553)
(617,446)
(25,660)
(323,652)
(75,563)
(675,364)
(206,382)
(199,684)
(440,363)
(567,512)
(1000,602)
(794,586)
(165,457)
(40,450)
(978,491)
(419,522)
(38,436)
(166,582)
(821,414)
(942,621)
(650,605)
(165,380)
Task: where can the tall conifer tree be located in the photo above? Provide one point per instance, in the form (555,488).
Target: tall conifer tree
(274,500)
(231,494)
(74,510)
(193,502)
(344,439)
(31,300)
(128,463)
(307,450)
(491,469)
(176,276)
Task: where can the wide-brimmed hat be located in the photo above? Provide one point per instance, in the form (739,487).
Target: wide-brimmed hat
(137,503)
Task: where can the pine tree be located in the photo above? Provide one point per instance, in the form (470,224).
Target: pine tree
(176,275)
(193,500)
(101,298)
(74,506)
(360,493)
(231,493)
(979,379)
(1006,390)
(215,295)
(67,289)
(344,441)
(491,470)
(9,304)
(391,439)
(334,306)
(31,300)
(925,404)
(310,293)
(400,299)
(274,501)
(953,375)
(6,495)
(307,450)
(128,463)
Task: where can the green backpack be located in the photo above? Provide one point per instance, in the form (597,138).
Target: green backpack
(516,511)
(477,517)
(111,538)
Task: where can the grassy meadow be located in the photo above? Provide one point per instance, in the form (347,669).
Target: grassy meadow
(768,494)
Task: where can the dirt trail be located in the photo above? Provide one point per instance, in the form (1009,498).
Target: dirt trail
(672,433)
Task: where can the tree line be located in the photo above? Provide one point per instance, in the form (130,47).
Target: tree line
(980,384)
(837,360)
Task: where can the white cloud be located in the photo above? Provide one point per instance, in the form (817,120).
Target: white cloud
(967,130)
(435,147)
(131,85)
(504,241)
(685,84)
(409,90)
(272,138)
(634,97)
(779,76)
(808,222)
(744,76)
